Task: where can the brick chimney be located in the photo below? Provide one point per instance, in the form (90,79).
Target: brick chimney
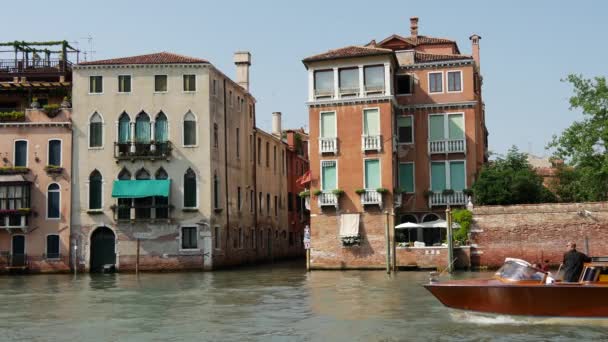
(242,59)
(475,48)
(414,26)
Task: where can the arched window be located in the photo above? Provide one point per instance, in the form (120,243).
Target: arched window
(409,234)
(190,198)
(124,174)
(432,236)
(189,129)
(161,174)
(95,181)
(161,129)
(161,203)
(142,128)
(53,206)
(430,217)
(143,206)
(409,218)
(96,130)
(124,204)
(124,128)
(142,174)
(216,191)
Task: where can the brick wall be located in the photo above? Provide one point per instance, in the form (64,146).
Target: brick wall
(537,232)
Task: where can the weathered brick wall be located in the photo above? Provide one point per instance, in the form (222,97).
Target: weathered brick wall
(432,257)
(537,232)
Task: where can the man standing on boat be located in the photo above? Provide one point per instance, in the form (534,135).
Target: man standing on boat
(573,263)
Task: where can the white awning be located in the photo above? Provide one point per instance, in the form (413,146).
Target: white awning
(439,224)
(12,178)
(407,225)
(349,225)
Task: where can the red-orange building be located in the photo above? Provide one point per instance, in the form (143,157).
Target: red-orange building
(397,132)
(297,166)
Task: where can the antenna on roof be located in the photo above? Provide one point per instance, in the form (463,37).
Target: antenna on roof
(89,53)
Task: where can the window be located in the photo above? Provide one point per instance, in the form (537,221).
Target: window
(161,128)
(124,204)
(406,177)
(238,143)
(435,82)
(252,238)
(251,201)
(259,151)
(190,198)
(52,246)
(189,129)
(216,192)
(268,204)
(371,122)
(189,238)
(95,84)
(189,82)
(238,103)
(274,159)
(143,205)
(161,203)
(53,206)
(217,241)
(324,83)
(238,198)
(241,238)
(328,124)
(405,84)
(260,199)
(124,83)
(124,129)
(230,98)
(405,129)
(454,81)
(215,135)
(329,176)
(214,87)
(448,175)
(276,206)
(142,128)
(372,174)
(448,126)
(96,131)
(290,201)
(20,158)
(160,83)
(14,196)
(374,78)
(54,152)
(95,182)
(349,82)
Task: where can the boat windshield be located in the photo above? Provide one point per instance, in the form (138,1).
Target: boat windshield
(518,270)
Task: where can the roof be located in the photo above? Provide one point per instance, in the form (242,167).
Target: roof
(349,51)
(153,58)
(419,40)
(422,57)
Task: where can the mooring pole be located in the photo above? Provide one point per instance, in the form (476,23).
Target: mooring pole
(388,244)
(448,219)
(308,260)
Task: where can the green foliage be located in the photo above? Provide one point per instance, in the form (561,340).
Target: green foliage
(349,241)
(338,192)
(360,191)
(464,218)
(447,192)
(12,116)
(382,190)
(398,191)
(317,192)
(584,144)
(50,107)
(510,180)
(304,193)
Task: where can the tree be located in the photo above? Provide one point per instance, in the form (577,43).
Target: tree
(510,180)
(464,218)
(583,145)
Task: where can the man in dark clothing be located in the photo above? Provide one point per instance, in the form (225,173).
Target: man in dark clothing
(573,263)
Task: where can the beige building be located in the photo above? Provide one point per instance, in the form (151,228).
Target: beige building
(164,176)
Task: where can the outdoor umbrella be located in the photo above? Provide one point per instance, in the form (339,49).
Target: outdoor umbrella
(439,224)
(409,225)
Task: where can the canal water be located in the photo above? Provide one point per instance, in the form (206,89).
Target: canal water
(269,303)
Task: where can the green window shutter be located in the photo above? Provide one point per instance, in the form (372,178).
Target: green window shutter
(456,126)
(372,174)
(371,122)
(404,129)
(160,129)
(329,175)
(142,129)
(438,176)
(124,129)
(328,125)
(437,130)
(457,176)
(406,177)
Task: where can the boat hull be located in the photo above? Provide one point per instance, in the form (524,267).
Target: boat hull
(527,300)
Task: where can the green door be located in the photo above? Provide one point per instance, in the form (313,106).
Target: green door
(438,176)
(102,249)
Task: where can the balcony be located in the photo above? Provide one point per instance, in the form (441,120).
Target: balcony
(324,94)
(439,199)
(32,66)
(142,212)
(374,90)
(447,146)
(327,199)
(371,143)
(142,151)
(349,92)
(371,197)
(14,220)
(328,145)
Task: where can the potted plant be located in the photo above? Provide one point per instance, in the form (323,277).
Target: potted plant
(304,193)
(13,116)
(398,191)
(349,241)
(53,169)
(338,192)
(382,190)
(66,102)
(51,110)
(428,193)
(317,192)
(447,192)
(13,170)
(35,104)
(468,192)
(360,191)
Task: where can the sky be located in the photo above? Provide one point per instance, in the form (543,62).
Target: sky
(527,47)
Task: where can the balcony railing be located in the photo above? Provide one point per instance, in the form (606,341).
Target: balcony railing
(349,92)
(132,151)
(324,93)
(371,143)
(327,199)
(439,199)
(136,212)
(40,66)
(374,89)
(371,197)
(328,145)
(447,146)
(14,220)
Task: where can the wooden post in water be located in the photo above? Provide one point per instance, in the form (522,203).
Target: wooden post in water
(448,219)
(137,258)
(308,260)
(388,244)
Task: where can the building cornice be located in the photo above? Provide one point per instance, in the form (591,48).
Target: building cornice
(350,101)
(447,105)
(36,124)
(140,66)
(426,65)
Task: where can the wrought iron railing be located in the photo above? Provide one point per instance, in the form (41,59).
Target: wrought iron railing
(126,212)
(142,150)
(328,145)
(447,146)
(34,66)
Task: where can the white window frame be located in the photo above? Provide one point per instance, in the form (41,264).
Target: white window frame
(88,185)
(429,82)
(196,130)
(103,131)
(448,182)
(198,248)
(118,84)
(321,122)
(364,172)
(153,122)
(363,120)
(446,128)
(184,90)
(102,85)
(48,151)
(413,176)
(27,151)
(447,88)
(47,202)
(413,136)
(321,173)
(46,246)
(161,92)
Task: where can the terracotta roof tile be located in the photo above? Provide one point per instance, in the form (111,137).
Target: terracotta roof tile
(422,57)
(153,58)
(349,51)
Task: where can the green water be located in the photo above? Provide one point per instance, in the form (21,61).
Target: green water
(269,303)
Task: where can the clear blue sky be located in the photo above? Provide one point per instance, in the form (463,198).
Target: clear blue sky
(527,46)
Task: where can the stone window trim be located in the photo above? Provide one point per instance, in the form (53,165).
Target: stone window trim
(180,240)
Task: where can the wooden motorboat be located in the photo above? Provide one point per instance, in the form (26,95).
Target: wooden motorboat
(518,288)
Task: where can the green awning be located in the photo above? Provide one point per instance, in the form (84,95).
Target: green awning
(141,188)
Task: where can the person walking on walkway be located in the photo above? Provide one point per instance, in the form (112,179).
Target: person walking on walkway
(573,263)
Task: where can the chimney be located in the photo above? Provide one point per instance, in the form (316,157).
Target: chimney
(242,59)
(276,124)
(414,27)
(475,48)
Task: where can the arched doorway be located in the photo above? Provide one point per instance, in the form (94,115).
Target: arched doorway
(409,234)
(432,236)
(103,251)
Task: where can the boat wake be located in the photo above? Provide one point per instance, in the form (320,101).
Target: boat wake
(490,319)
